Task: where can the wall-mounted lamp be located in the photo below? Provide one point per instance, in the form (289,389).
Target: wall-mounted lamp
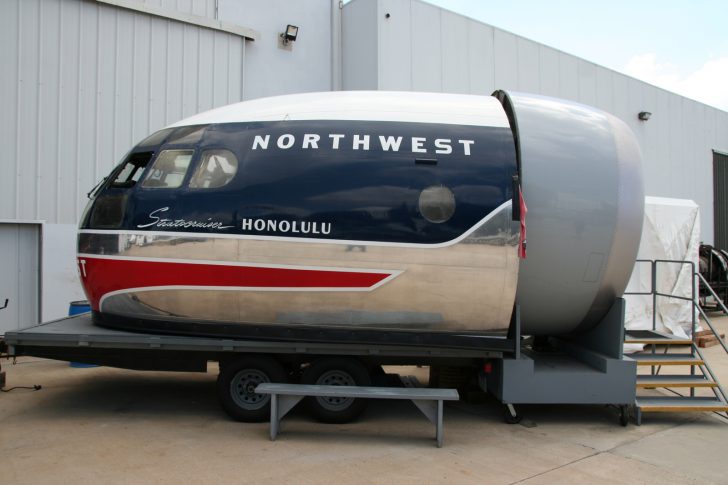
(644,115)
(290,34)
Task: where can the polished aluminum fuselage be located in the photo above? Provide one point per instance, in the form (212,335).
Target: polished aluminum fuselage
(465,285)
(580,173)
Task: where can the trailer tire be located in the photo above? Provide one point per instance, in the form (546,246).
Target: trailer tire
(237,381)
(336,371)
(624,415)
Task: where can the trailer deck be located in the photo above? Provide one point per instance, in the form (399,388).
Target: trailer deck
(78,339)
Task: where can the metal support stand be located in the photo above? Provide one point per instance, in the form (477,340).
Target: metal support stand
(285,396)
(279,407)
(432,411)
(514,331)
(587,369)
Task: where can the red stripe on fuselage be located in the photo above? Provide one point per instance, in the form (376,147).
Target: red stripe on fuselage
(101,276)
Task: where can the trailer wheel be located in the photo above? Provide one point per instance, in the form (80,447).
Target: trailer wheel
(624,415)
(236,385)
(510,415)
(336,372)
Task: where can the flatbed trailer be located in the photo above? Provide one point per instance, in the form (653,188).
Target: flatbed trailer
(244,363)
(78,339)
(584,369)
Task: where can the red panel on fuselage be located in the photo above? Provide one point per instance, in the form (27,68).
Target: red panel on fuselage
(102,276)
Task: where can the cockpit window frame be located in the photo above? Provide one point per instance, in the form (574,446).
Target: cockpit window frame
(185,178)
(200,165)
(137,159)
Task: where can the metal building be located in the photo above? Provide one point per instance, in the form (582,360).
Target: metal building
(83,80)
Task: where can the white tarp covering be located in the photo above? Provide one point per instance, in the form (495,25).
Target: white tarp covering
(671,231)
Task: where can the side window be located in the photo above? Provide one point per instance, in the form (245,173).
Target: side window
(132,170)
(169,169)
(217,168)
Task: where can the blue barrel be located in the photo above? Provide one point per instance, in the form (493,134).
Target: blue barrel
(76,308)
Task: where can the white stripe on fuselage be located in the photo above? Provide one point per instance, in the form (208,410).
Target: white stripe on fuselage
(348,242)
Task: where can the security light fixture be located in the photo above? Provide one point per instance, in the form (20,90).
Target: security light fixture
(644,115)
(290,34)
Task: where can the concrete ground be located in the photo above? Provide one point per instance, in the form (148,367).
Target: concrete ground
(104,425)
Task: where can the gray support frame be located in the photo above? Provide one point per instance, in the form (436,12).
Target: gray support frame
(588,369)
(279,407)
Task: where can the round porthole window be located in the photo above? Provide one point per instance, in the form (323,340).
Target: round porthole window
(437,204)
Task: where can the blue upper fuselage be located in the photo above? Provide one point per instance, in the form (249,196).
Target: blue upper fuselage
(404,182)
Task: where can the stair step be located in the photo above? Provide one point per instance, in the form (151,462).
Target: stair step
(666,359)
(680,404)
(653,337)
(674,381)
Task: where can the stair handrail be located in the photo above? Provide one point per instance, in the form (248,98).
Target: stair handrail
(695,278)
(712,292)
(696,304)
(706,366)
(654,293)
(712,375)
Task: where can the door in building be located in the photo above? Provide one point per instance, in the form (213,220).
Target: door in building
(720,199)
(19,277)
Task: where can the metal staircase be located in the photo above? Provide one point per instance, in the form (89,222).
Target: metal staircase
(685,366)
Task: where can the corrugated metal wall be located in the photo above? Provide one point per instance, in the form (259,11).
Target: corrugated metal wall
(720,194)
(203,8)
(20,247)
(81,82)
(424,48)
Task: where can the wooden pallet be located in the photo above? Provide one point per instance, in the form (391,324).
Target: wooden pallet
(707,338)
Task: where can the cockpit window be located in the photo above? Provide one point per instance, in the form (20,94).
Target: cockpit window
(217,168)
(169,169)
(132,170)
(155,138)
(186,135)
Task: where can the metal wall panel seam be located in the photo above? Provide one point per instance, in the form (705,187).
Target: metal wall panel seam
(59,105)
(197,87)
(115,87)
(133,76)
(242,69)
(336,44)
(442,50)
(184,78)
(149,75)
(377,47)
(78,191)
(166,74)
(515,65)
(17,268)
(39,101)
(227,77)
(17,120)
(97,94)
(229,70)
(469,70)
(492,69)
(231,65)
(214,61)
(411,69)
